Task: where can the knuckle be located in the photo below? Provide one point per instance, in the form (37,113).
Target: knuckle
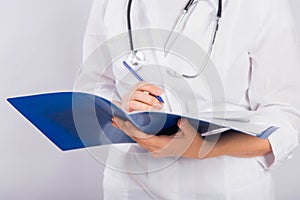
(153,101)
(134,96)
(141,85)
(131,105)
(147,107)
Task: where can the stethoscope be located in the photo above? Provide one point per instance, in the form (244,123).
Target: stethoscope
(137,58)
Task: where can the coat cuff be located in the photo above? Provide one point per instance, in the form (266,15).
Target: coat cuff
(283,141)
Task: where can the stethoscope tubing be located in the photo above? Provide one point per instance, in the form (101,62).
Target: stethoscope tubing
(129,25)
(185,10)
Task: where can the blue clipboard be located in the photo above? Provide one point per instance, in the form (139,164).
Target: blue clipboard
(73,120)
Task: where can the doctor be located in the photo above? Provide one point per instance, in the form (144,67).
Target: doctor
(257,56)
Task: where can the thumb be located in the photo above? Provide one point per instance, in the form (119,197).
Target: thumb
(185,126)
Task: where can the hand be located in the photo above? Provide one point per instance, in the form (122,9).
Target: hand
(142,98)
(185,143)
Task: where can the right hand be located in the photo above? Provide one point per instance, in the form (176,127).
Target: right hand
(142,98)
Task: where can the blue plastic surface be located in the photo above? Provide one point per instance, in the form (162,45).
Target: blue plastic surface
(73,120)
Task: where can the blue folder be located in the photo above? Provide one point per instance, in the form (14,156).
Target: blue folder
(73,120)
(66,118)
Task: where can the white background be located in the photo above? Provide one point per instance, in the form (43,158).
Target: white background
(40,51)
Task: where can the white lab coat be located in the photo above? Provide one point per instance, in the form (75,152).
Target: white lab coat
(257,56)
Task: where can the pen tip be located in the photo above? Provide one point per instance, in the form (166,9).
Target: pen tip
(160,99)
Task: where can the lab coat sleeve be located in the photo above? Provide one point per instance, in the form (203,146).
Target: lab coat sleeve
(274,90)
(95,30)
(91,78)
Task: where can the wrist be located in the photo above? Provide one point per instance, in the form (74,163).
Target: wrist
(194,148)
(211,147)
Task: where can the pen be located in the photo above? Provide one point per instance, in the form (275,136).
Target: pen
(139,78)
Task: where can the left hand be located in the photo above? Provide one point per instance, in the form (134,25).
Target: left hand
(185,143)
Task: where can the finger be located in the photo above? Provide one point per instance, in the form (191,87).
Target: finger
(144,140)
(148,141)
(185,126)
(118,122)
(147,146)
(114,125)
(178,135)
(137,134)
(129,129)
(146,98)
(151,143)
(139,106)
(152,89)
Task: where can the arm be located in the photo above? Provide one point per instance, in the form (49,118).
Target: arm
(274,89)
(274,92)
(240,145)
(188,143)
